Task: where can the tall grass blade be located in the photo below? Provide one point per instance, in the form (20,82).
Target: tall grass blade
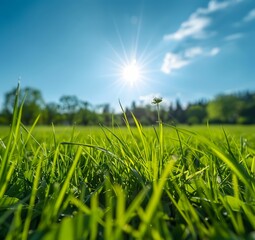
(64,188)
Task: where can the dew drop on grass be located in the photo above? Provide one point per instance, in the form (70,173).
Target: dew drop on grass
(218,179)
(2,143)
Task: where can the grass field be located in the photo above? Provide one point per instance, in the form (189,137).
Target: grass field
(158,182)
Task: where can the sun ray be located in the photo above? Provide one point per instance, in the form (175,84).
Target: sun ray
(132,65)
(121,42)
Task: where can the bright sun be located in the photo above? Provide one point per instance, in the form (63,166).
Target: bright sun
(131,73)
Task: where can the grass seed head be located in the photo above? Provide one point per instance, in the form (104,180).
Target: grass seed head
(156,100)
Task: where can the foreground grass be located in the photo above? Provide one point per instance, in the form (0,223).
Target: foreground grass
(153,183)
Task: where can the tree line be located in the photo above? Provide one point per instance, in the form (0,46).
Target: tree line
(235,108)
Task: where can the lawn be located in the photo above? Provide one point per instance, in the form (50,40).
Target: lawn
(158,182)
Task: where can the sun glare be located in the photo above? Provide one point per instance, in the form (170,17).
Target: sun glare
(132,67)
(131,73)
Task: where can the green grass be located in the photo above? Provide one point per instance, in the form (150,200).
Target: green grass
(158,182)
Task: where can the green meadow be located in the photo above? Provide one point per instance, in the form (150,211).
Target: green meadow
(158,182)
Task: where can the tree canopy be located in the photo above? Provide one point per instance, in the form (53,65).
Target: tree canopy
(224,108)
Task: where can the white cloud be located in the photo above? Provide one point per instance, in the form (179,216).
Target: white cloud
(194,27)
(214,6)
(198,51)
(173,61)
(197,23)
(250,16)
(193,52)
(214,51)
(234,36)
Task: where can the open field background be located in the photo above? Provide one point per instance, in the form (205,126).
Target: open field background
(85,133)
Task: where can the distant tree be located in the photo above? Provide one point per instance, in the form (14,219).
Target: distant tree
(224,109)
(247,114)
(178,113)
(230,108)
(170,114)
(133,106)
(69,106)
(84,114)
(106,114)
(145,114)
(51,113)
(195,114)
(33,104)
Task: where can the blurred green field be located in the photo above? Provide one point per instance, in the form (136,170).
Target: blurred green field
(64,133)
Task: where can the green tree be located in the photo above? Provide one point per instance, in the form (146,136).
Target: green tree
(224,109)
(195,114)
(177,113)
(69,107)
(247,114)
(51,113)
(107,114)
(33,104)
(84,114)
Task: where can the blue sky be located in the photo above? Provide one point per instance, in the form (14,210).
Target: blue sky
(181,49)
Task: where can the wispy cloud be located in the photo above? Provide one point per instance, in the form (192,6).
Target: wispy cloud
(234,36)
(214,51)
(198,26)
(195,26)
(250,16)
(193,52)
(173,61)
(214,6)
